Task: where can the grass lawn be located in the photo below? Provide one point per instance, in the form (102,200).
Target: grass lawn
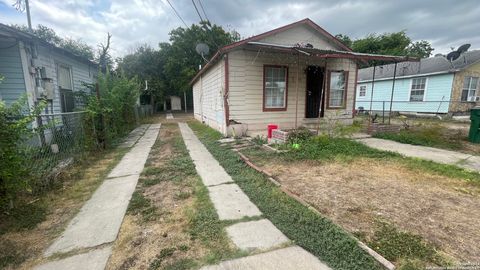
(413,212)
(303,226)
(171,222)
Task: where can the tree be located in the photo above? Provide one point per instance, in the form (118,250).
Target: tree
(170,68)
(397,43)
(77,47)
(104,59)
(346,40)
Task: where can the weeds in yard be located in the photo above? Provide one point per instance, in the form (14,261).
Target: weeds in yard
(306,228)
(408,249)
(139,204)
(427,136)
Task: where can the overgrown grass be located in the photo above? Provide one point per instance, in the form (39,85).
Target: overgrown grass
(313,232)
(408,249)
(426,136)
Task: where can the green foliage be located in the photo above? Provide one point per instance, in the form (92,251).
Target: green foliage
(396,43)
(113,110)
(427,136)
(10,254)
(313,232)
(164,254)
(15,121)
(170,68)
(47,34)
(259,140)
(299,135)
(139,205)
(396,245)
(182,264)
(326,148)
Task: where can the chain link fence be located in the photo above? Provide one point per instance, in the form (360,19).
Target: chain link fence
(387,112)
(60,139)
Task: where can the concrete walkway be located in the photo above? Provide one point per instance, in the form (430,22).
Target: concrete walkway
(88,237)
(232,203)
(466,161)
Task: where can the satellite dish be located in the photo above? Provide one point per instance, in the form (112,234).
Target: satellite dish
(202,49)
(452,56)
(463,48)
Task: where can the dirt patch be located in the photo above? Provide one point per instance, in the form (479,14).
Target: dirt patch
(442,210)
(163,240)
(63,203)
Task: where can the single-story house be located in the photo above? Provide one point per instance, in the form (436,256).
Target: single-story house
(291,76)
(432,85)
(40,70)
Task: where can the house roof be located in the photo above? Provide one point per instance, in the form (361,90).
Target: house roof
(426,66)
(30,37)
(240,43)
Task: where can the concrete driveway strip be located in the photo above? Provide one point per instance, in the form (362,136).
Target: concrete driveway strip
(92,260)
(99,219)
(429,153)
(229,200)
(281,259)
(133,137)
(256,235)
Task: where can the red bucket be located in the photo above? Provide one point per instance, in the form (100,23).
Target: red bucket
(270,128)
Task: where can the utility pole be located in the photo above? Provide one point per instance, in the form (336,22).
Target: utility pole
(27,7)
(19,5)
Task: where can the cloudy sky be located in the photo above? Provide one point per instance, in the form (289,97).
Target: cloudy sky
(445,23)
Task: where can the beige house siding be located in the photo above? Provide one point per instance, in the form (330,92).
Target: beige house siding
(301,33)
(208,92)
(457,107)
(246,88)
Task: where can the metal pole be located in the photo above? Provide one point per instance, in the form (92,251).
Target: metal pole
(27,6)
(185,100)
(393,90)
(373,83)
(383,113)
(296,89)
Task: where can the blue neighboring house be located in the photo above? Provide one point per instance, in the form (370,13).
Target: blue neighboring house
(432,85)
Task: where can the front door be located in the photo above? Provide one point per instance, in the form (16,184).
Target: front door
(314,91)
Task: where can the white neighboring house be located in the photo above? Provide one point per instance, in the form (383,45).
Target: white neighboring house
(41,70)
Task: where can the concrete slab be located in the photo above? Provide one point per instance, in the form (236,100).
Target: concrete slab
(281,259)
(428,153)
(256,235)
(99,219)
(92,260)
(231,203)
(155,126)
(212,175)
(133,137)
(169,116)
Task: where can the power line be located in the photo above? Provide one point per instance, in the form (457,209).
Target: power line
(201,6)
(193,2)
(178,15)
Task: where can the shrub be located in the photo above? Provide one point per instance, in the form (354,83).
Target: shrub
(15,121)
(299,135)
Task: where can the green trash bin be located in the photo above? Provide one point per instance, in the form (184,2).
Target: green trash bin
(474,135)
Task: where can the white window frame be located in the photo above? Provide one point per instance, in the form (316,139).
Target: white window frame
(364,87)
(469,89)
(424,90)
(283,107)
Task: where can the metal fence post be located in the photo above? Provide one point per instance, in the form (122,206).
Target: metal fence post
(383,113)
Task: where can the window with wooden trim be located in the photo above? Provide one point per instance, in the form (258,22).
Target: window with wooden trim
(65,85)
(337,89)
(417,91)
(363,91)
(275,88)
(470,85)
